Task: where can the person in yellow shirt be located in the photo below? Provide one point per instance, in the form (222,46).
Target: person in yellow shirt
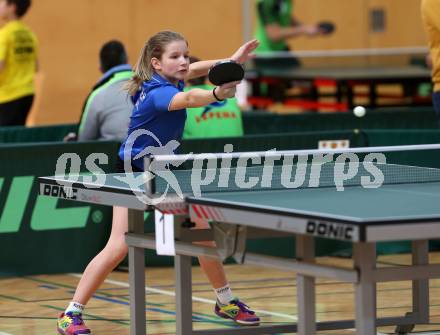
(431,20)
(18,63)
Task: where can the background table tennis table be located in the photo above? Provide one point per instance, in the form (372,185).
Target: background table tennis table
(363,216)
(345,79)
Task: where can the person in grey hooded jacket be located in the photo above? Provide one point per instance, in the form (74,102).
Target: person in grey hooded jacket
(107,109)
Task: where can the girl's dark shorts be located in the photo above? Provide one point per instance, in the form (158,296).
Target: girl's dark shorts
(120,167)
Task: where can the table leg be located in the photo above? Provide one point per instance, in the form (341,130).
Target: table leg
(305,286)
(348,90)
(136,276)
(182,267)
(339,92)
(372,88)
(420,256)
(364,255)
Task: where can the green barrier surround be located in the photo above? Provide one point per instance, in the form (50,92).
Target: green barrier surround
(47,235)
(20,134)
(282,141)
(42,234)
(262,122)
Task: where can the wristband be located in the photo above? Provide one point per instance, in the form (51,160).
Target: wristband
(216,97)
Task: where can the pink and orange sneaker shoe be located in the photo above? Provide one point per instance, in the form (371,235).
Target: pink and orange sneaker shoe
(238,312)
(72,324)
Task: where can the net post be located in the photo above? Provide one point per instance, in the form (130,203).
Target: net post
(149,184)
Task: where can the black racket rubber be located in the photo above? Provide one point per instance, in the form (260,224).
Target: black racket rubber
(326,27)
(225,72)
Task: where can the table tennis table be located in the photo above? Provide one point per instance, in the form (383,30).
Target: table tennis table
(405,206)
(345,79)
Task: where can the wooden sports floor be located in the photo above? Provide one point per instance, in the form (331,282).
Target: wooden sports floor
(29,305)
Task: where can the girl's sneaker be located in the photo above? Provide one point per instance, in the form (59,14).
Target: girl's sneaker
(238,312)
(72,324)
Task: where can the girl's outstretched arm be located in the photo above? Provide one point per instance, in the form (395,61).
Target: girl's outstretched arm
(198,97)
(243,53)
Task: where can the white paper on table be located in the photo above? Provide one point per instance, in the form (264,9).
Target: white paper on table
(164,233)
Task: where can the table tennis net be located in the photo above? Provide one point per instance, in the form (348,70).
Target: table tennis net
(296,176)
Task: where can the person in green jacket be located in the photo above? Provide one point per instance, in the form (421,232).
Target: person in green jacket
(276,25)
(219,119)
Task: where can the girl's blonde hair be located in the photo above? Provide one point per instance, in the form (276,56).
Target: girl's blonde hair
(154,47)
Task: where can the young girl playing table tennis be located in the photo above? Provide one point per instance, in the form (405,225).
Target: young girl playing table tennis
(160,108)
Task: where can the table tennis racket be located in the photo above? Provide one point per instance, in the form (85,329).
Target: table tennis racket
(326,27)
(225,72)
